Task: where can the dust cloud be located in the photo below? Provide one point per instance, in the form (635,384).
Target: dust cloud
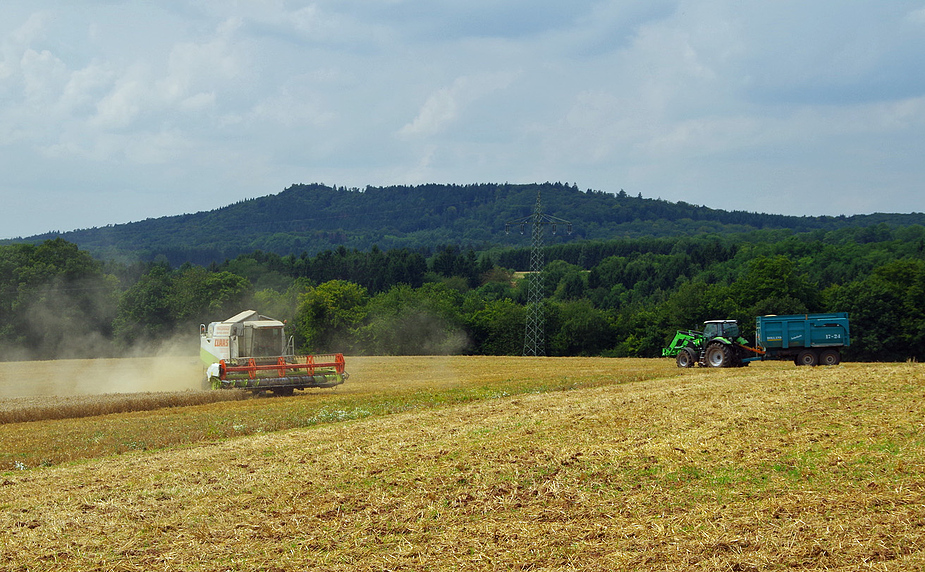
(172,366)
(71,377)
(413,332)
(74,354)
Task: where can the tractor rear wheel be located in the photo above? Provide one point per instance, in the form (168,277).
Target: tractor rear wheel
(718,355)
(686,358)
(807,357)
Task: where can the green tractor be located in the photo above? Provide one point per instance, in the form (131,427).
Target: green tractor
(718,345)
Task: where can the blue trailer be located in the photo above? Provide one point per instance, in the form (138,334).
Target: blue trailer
(808,339)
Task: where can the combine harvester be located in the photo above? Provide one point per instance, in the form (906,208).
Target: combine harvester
(251,351)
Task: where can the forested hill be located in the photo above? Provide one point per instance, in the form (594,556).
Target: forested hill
(313,218)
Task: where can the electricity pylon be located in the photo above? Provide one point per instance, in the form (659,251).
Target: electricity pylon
(535,330)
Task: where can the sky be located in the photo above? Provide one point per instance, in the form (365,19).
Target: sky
(118,111)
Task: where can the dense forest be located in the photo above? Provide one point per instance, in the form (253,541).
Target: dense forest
(622,297)
(314,218)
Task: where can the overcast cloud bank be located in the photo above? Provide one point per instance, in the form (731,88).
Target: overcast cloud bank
(114,112)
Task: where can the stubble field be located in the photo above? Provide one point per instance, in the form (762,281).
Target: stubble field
(478,463)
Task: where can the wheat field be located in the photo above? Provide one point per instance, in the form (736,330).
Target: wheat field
(475,463)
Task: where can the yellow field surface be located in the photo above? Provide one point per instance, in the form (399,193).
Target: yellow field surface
(63,378)
(500,464)
(379,385)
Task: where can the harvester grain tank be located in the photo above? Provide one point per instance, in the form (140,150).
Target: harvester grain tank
(251,351)
(808,339)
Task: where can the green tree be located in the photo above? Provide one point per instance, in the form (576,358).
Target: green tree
(328,315)
(281,305)
(451,262)
(886,312)
(497,328)
(608,273)
(415,321)
(775,286)
(144,309)
(164,302)
(564,281)
(639,334)
(55,300)
(694,302)
(200,296)
(583,330)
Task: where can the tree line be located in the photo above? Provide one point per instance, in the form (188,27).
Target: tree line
(620,298)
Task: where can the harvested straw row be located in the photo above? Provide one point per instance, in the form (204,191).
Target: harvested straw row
(25,409)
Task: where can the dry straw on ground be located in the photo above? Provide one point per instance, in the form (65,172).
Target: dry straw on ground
(23,409)
(769,467)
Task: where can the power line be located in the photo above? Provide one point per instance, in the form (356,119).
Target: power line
(535,326)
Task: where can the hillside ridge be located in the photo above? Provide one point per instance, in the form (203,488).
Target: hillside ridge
(315,217)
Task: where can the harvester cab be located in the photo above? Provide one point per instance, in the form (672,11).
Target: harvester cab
(252,351)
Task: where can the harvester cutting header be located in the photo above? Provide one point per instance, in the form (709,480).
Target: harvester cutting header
(251,351)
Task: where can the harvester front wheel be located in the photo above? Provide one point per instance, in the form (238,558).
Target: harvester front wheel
(686,358)
(718,355)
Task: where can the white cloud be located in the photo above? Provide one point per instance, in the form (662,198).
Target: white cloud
(84,88)
(197,102)
(158,148)
(43,76)
(438,111)
(917,16)
(120,108)
(444,106)
(193,66)
(32,29)
(292,110)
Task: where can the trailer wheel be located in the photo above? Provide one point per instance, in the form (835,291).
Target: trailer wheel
(830,357)
(807,357)
(686,358)
(718,355)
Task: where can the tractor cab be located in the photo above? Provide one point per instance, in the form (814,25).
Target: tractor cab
(728,329)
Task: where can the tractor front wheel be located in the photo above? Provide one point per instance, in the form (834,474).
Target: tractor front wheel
(686,358)
(718,355)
